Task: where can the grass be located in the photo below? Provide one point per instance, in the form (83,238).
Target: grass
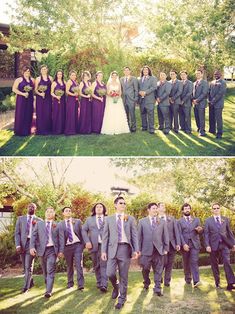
(180,298)
(134,144)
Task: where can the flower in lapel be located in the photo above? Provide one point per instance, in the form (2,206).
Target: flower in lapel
(34,222)
(168,218)
(222,221)
(54,225)
(73,221)
(125,218)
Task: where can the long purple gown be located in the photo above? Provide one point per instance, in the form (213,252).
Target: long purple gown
(85,113)
(44,109)
(24,110)
(97,110)
(58,111)
(71,122)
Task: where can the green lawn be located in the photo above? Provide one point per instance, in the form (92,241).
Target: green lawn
(180,298)
(134,144)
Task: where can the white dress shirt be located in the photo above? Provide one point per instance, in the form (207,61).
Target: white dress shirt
(124,238)
(50,242)
(97,223)
(30,226)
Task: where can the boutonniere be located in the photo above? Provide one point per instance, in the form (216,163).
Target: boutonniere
(34,222)
(73,221)
(54,225)
(168,219)
(125,218)
(222,221)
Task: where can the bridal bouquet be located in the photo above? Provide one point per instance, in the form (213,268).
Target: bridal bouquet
(75,89)
(59,93)
(88,91)
(115,95)
(27,89)
(42,89)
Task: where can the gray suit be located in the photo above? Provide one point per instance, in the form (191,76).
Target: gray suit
(47,254)
(149,85)
(217,93)
(73,252)
(185,107)
(200,94)
(152,243)
(119,254)
(174,239)
(189,236)
(214,235)
(175,94)
(163,109)
(130,98)
(22,239)
(91,233)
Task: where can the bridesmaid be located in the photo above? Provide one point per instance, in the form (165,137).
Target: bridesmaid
(43,102)
(85,104)
(24,103)
(58,103)
(98,103)
(71,121)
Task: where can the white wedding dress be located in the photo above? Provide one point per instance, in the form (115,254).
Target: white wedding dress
(115,119)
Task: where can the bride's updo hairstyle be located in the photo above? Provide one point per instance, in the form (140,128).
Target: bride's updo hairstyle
(113,72)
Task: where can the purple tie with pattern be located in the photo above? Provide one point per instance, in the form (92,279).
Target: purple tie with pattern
(28,225)
(119,228)
(100,222)
(47,231)
(218,222)
(70,235)
(153,223)
(188,220)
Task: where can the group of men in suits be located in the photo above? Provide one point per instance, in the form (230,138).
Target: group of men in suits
(116,239)
(174,100)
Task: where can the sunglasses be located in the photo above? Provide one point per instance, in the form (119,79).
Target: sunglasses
(216,207)
(122,203)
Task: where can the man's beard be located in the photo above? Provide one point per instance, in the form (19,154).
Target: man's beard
(187,214)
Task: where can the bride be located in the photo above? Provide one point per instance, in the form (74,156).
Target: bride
(115,119)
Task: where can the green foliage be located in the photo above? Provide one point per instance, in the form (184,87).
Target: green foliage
(8,255)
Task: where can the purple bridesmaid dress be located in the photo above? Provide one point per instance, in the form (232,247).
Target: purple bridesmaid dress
(24,110)
(58,112)
(44,109)
(97,110)
(85,113)
(71,122)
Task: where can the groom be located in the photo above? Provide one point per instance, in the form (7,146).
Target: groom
(129,86)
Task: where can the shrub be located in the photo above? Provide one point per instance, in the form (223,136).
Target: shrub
(8,255)
(8,103)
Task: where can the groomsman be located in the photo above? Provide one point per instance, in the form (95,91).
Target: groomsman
(147,86)
(154,244)
(217,92)
(175,100)
(189,229)
(92,232)
(186,103)
(174,242)
(119,244)
(163,108)
(46,243)
(129,86)
(23,231)
(218,240)
(200,91)
(71,232)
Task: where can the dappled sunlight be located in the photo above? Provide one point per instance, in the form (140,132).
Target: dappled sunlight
(192,138)
(25,144)
(168,142)
(177,137)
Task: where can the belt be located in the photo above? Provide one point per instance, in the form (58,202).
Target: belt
(122,243)
(72,243)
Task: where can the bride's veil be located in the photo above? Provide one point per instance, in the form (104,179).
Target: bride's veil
(117,80)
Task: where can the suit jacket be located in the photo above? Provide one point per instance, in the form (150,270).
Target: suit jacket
(176,91)
(21,230)
(110,235)
(163,92)
(186,96)
(77,228)
(149,86)
(200,93)
(188,232)
(38,239)
(173,231)
(217,92)
(213,234)
(129,90)
(91,233)
(150,238)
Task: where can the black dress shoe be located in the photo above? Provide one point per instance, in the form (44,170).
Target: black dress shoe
(133,131)
(31,284)
(80,288)
(218,136)
(146,287)
(160,128)
(218,286)
(103,289)
(166,132)
(24,290)
(166,284)
(143,129)
(118,306)
(152,132)
(230,287)
(159,294)
(47,295)
(176,131)
(115,292)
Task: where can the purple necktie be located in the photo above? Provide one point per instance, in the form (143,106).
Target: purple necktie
(70,235)
(119,228)
(100,222)
(48,231)
(126,80)
(28,225)
(188,220)
(154,223)
(218,222)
